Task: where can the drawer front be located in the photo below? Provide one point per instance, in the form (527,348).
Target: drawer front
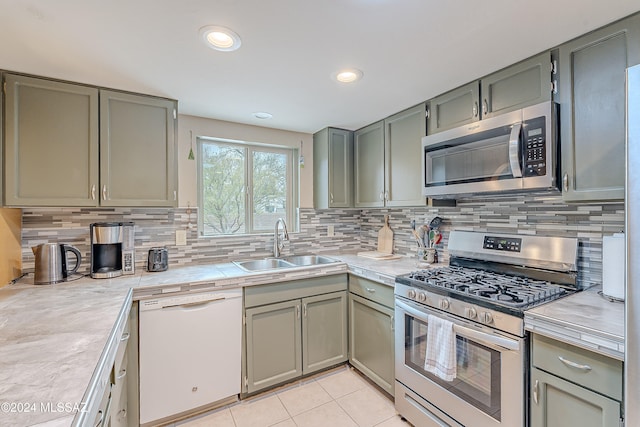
(272,293)
(591,370)
(374,291)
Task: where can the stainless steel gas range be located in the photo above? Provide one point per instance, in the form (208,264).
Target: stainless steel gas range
(480,299)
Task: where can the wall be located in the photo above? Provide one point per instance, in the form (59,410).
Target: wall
(10,260)
(191,127)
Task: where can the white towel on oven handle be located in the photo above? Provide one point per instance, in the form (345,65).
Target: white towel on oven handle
(440,358)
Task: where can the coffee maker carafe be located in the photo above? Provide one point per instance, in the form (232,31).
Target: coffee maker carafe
(106,250)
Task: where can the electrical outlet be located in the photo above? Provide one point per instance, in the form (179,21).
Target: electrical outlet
(330,231)
(181,237)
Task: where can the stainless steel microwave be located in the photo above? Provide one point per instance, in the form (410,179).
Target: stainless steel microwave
(516,151)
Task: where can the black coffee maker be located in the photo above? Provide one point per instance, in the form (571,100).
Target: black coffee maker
(106,250)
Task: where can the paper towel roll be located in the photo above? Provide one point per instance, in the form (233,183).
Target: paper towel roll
(613,265)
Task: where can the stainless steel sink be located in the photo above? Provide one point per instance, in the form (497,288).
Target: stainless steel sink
(301,260)
(263,264)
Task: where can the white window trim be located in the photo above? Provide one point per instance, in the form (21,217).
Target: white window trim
(292,177)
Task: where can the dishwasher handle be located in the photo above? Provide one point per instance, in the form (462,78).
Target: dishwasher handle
(195,304)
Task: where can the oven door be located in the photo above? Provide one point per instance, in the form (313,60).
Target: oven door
(489,389)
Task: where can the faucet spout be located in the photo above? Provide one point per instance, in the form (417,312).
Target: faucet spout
(279,238)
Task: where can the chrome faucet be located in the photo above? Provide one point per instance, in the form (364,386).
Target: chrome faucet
(279,238)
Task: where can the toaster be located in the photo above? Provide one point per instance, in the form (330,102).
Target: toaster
(158,259)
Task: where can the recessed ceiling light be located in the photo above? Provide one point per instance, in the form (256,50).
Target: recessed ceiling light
(262,115)
(348,76)
(220,38)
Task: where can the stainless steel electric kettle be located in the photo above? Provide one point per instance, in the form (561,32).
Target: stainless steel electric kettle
(51,262)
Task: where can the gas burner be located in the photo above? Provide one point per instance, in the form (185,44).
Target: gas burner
(504,289)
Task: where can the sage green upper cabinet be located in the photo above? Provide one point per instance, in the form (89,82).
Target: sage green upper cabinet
(591,93)
(368,147)
(517,86)
(454,108)
(403,161)
(51,145)
(388,162)
(333,168)
(137,150)
(520,85)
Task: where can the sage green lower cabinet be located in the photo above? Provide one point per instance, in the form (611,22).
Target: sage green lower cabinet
(571,386)
(371,334)
(292,329)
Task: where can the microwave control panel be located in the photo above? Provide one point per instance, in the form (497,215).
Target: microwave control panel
(535,148)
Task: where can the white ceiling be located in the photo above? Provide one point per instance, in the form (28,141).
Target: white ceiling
(409,50)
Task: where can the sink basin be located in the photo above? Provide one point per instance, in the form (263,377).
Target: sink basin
(263,264)
(301,260)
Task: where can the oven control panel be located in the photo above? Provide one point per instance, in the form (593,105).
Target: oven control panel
(507,244)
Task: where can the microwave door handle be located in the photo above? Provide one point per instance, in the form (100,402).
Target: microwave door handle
(463,331)
(514,150)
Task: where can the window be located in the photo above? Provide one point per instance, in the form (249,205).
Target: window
(244,188)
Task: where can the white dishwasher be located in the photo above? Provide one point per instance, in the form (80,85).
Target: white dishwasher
(190,351)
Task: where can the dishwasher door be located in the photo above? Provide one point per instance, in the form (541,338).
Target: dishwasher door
(190,352)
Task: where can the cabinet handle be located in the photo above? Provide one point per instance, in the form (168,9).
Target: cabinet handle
(393,327)
(386,196)
(104,192)
(123,374)
(585,368)
(474,110)
(101,419)
(565,182)
(331,197)
(175,195)
(304,310)
(535,392)
(485,107)
(382,195)
(298,311)
(371,290)
(93,192)
(125,336)
(122,414)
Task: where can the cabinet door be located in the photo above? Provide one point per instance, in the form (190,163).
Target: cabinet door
(369,166)
(324,331)
(592,111)
(274,346)
(51,144)
(403,164)
(371,341)
(455,108)
(340,168)
(137,150)
(521,85)
(559,403)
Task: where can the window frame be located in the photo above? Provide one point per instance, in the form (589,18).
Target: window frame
(292,179)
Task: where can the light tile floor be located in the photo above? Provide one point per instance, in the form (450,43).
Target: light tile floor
(338,398)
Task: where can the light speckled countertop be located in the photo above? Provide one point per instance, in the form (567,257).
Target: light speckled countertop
(52,337)
(584,319)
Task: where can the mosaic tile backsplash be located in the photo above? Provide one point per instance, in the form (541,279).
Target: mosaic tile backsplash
(354,229)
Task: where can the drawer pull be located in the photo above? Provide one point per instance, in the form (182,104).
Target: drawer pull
(123,373)
(125,336)
(371,290)
(535,392)
(585,368)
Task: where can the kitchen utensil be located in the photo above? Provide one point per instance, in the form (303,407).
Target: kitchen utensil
(51,262)
(385,237)
(418,238)
(435,222)
(158,259)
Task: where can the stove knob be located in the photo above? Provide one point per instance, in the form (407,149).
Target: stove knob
(486,317)
(444,304)
(412,294)
(422,297)
(470,313)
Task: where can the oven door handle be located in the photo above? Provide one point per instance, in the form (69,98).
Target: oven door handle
(465,332)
